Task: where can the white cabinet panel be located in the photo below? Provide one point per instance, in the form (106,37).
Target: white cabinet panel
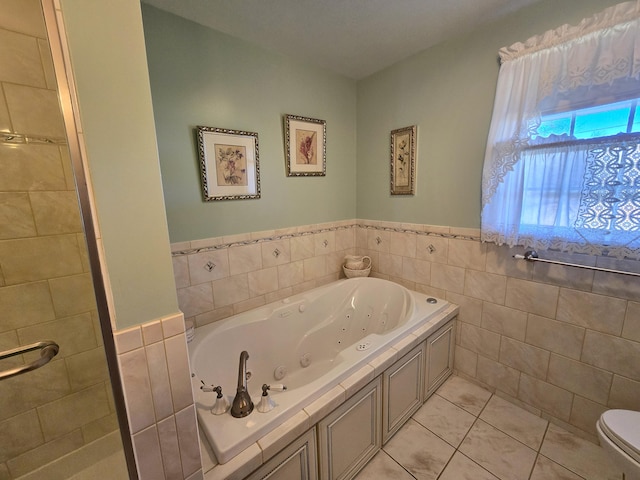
(351,435)
(403,390)
(296,462)
(439,357)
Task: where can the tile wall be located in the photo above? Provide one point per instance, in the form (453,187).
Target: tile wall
(562,342)
(154,368)
(219,277)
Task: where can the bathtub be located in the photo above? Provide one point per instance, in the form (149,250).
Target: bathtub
(309,342)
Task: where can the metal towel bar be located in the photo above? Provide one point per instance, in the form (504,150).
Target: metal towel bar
(48,350)
(532,256)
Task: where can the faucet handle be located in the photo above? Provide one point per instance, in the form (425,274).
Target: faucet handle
(208,389)
(266,403)
(278,387)
(222,404)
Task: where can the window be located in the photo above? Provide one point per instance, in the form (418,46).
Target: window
(562,167)
(603,192)
(588,123)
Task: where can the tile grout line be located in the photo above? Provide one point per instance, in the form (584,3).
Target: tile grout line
(397,462)
(476,417)
(457,449)
(535,461)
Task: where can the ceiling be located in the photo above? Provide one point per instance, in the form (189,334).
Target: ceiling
(352,37)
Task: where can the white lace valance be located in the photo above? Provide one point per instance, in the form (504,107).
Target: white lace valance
(623,12)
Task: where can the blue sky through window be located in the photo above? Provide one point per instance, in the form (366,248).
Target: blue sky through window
(594,122)
(602,200)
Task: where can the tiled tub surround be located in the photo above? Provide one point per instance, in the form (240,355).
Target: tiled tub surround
(154,367)
(260,452)
(220,277)
(562,342)
(322,328)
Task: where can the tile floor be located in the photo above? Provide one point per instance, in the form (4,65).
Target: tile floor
(463,432)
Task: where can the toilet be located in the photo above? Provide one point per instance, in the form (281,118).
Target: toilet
(619,433)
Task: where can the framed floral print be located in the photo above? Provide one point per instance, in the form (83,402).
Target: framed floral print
(403,161)
(229,163)
(305,144)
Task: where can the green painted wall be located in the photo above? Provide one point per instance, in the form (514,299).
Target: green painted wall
(202,77)
(448,92)
(108,56)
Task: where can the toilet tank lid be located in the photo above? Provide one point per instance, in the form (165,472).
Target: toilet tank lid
(624,424)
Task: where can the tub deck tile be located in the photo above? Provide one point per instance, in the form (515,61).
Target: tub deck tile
(239,466)
(384,361)
(283,435)
(358,380)
(443,317)
(405,345)
(324,405)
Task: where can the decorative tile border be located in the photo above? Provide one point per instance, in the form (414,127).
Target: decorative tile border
(217,243)
(457,234)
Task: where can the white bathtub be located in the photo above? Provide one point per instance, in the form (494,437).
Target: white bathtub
(334,330)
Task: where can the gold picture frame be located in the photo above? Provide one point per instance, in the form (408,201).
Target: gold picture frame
(305,145)
(403,161)
(229,163)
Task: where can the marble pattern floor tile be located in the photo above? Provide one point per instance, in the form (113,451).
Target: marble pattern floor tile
(578,455)
(515,460)
(420,451)
(383,466)
(545,469)
(465,394)
(463,468)
(448,421)
(515,422)
(463,432)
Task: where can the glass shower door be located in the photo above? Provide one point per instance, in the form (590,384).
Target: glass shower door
(58,421)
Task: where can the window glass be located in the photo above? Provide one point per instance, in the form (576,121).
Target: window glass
(602,122)
(559,124)
(589,123)
(582,185)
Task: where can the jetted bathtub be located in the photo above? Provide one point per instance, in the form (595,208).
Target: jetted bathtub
(309,342)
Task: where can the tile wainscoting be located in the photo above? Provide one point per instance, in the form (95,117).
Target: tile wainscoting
(154,367)
(561,342)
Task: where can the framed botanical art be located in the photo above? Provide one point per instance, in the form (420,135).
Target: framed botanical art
(403,161)
(305,144)
(229,163)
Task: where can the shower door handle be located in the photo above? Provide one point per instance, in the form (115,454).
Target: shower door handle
(48,350)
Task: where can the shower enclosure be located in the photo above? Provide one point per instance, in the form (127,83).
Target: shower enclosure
(58,411)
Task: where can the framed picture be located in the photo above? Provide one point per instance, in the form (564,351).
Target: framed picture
(403,161)
(229,164)
(305,144)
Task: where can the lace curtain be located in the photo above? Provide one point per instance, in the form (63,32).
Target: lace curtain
(596,62)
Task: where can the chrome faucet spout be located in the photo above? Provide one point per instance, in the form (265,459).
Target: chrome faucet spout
(242,404)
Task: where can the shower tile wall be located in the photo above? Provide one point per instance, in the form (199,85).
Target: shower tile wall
(46,291)
(562,342)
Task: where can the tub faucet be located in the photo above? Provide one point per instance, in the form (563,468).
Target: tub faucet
(242,404)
